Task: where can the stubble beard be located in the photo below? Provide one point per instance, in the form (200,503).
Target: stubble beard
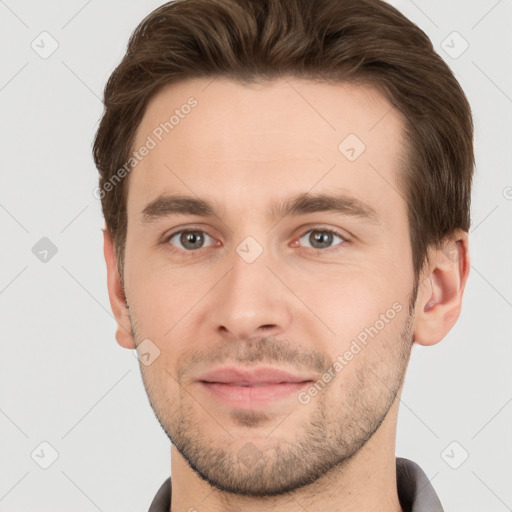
(335,431)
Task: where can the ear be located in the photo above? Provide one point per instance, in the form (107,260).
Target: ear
(116,294)
(440,293)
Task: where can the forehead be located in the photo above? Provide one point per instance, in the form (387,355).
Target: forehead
(215,134)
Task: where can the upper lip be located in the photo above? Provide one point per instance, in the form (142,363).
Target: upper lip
(251,376)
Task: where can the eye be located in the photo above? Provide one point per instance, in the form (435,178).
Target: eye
(321,238)
(190,240)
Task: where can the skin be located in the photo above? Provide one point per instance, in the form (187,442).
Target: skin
(297,307)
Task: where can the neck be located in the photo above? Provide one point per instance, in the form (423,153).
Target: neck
(367,482)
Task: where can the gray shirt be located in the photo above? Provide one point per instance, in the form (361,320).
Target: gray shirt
(415,491)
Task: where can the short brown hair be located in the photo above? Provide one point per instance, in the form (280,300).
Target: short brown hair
(357,41)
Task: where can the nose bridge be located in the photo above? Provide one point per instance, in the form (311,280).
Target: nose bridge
(249,298)
(249,270)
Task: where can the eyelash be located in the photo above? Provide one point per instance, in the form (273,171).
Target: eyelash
(192,253)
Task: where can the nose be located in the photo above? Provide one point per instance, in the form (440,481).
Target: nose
(250,301)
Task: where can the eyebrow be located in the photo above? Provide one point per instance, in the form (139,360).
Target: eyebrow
(167,205)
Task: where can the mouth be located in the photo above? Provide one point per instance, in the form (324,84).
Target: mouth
(250,388)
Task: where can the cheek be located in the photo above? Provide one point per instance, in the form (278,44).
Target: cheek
(163,294)
(161,387)
(350,299)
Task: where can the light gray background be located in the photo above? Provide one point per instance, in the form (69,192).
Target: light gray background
(63,378)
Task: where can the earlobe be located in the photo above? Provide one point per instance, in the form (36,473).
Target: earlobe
(440,293)
(116,294)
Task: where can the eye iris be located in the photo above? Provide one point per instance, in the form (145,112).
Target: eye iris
(323,238)
(191,237)
(195,239)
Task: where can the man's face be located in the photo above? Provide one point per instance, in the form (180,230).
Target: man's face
(250,289)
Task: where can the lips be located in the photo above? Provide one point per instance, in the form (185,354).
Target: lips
(247,389)
(262,376)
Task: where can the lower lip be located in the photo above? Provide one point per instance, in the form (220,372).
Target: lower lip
(253,396)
